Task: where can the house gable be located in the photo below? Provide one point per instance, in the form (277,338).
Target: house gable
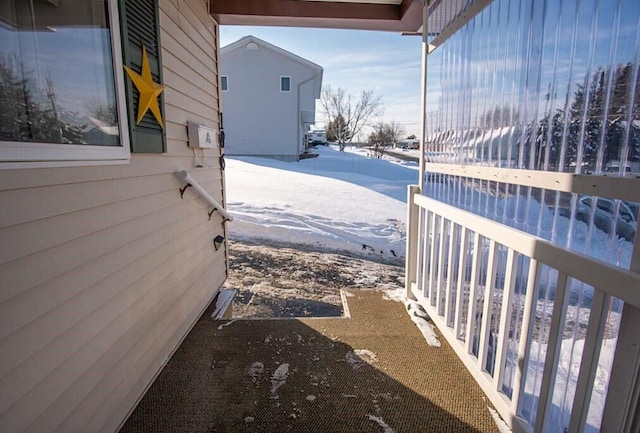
(244,43)
(269,89)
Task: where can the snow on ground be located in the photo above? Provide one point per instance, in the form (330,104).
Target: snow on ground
(378,420)
(420,318)
(279,378)
(563,393)
(417,314)
(339,201)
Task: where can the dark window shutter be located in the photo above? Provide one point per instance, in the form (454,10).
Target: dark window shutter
(140,26)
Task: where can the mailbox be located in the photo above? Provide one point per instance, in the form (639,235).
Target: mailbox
(202,136)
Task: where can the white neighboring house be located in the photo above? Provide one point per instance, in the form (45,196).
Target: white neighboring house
(269,99)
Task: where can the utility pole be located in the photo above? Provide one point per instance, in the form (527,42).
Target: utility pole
(51,94)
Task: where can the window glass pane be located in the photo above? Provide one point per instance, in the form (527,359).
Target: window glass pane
(224,83)
(56,73)
(285,84)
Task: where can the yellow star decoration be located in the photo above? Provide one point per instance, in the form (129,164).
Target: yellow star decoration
(149,90)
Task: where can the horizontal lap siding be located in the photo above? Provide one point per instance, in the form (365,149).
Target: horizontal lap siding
(104,269)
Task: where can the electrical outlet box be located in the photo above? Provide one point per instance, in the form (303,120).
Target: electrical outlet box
(202,136)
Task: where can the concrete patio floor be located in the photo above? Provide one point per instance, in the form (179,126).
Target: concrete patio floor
(372,372)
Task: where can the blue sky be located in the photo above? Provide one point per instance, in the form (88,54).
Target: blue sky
(386,62)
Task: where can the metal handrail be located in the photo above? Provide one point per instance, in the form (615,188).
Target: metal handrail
(184,176)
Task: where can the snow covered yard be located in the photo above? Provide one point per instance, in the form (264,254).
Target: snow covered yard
(339,201)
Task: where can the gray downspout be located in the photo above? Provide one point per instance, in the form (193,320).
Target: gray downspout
(299,120)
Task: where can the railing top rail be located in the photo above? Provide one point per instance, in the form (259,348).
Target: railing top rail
(615,281)
(623,188)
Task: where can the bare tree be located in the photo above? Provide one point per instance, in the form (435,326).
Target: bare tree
(346,115)
(397,131)
(383,135)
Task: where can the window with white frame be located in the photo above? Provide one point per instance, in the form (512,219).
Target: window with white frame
(285,84)
(61,82)
(224,83)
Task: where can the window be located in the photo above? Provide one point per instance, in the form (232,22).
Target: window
(625,214)
(61,82)
(224,83)
(285,84)
(605,205)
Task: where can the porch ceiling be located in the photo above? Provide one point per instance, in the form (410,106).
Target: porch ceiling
(388,15)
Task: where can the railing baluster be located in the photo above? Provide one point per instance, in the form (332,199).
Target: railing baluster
(505,318)
(418,254)
(589,361)
(436,300)
(524,348)
(433,256)
(428,217)
(485,327)
(462,271)
(413,252)
(475,273)
(558,315)
(453,245)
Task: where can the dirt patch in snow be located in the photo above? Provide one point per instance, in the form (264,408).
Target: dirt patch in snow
(287,281)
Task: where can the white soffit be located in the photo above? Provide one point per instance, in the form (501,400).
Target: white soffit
(448,16)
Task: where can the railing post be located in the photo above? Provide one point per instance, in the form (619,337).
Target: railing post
(623,396)
(413,230)
(621,412)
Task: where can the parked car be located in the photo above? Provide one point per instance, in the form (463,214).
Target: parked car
(318,137)
(625,224)
(615,170)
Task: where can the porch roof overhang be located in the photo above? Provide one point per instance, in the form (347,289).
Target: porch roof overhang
(385,15)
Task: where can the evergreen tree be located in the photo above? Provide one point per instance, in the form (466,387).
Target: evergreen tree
(603,119)
(338,130)
(23,118)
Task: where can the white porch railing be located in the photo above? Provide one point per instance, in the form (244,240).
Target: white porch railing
(479,281)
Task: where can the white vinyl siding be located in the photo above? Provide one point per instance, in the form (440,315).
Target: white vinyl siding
(104,269)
